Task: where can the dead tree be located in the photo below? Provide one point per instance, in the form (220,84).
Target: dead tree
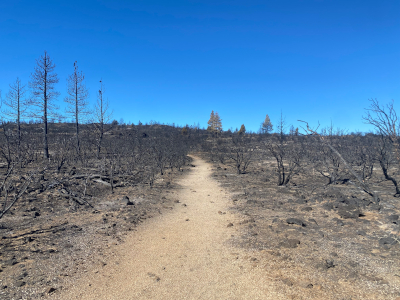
(364,156)
(8,144)
(63,149)
(282,126)
(76,99)
(384,120)
(361,184)
(386,123)
(44,94)
(385,156)
(241,153)
(325,161)
(16,104)
(102,116)
(11,190)
(288,156)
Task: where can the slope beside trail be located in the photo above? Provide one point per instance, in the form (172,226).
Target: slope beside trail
(182,254)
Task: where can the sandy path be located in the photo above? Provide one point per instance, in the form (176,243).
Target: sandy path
(182,254)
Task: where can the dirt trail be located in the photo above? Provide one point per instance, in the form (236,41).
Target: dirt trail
(182,254)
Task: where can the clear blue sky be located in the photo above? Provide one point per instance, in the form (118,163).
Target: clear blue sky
(175,61)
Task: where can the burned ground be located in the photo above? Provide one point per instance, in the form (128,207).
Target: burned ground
(301,213)
(48,239)
(318,240)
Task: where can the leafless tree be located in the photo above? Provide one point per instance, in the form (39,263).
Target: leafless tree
(12,189)
(102,116)
(386,159)
(386,123)
(325,161)
(42,83)
(241,152)
(364,154)
(7,150)
(16,105)
(360,183)
(282,126)
(288,156)
(62,151)
(76,99)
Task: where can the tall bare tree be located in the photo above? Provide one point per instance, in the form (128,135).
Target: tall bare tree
(16,104)
(76,99)
(42,83)
(281,128)
(102,116)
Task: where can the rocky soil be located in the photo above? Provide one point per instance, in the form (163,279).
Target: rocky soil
(48,239)
(307,240)
(313,236)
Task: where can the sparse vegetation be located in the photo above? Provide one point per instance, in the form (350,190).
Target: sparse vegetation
(89,166)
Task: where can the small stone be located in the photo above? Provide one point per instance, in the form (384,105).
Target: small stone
(20,283)
(126,201)
(329,263)
(230,225)
(287,282)
(23,275)
(393,219)
(187,220)
(290,243)
(338,221)
(348,213)
(51,290)
(296,222)
(11,262)
(387,241)
(307,208)
(325,265)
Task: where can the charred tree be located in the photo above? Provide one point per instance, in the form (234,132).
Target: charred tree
(42,83)
(76,99)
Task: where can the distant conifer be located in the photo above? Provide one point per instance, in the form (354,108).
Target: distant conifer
(214,123)
(242,129)
(266,126)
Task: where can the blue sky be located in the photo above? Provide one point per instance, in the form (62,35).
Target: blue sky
(175,61)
